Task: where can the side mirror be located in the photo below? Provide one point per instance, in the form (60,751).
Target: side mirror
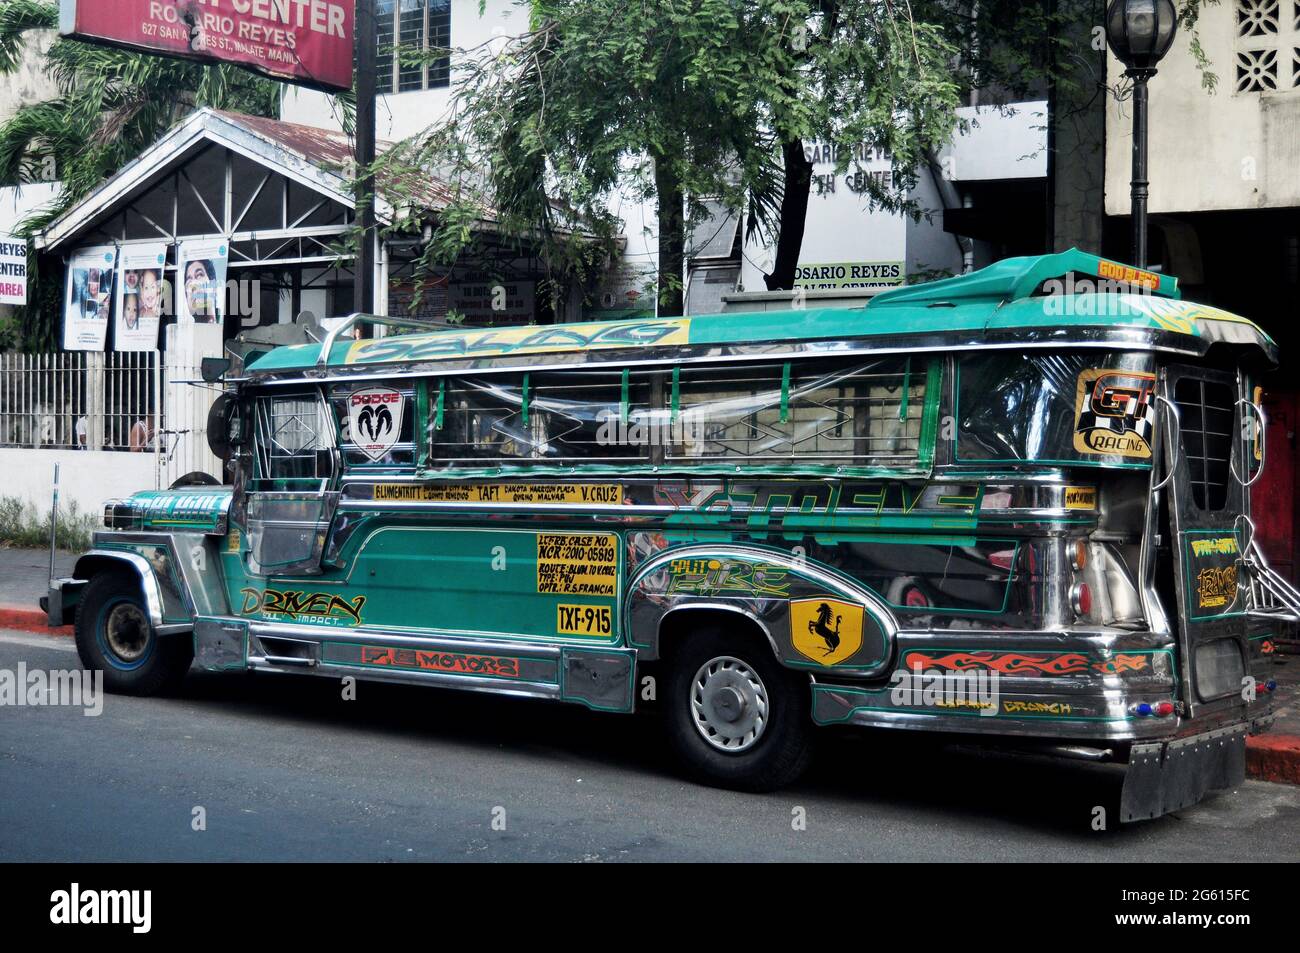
(214,368)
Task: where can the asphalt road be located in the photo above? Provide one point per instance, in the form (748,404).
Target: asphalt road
(284,769)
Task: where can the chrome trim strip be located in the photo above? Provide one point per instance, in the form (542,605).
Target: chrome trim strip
(394,639)
(379,673)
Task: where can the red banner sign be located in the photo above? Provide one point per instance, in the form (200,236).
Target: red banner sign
(309,42)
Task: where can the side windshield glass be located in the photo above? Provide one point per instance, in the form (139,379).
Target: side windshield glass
(1084,408)
(854,415)
(867,414)
(548,417)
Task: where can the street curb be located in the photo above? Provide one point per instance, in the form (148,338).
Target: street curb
(30,620)
(1273,758)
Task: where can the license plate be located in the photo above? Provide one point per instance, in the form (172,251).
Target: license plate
(583,620)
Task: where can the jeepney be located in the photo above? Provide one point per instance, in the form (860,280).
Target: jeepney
(1012,505)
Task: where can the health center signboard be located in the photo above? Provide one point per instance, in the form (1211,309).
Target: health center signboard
(309,42)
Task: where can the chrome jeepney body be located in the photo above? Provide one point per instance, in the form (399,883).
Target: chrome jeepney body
(974,507)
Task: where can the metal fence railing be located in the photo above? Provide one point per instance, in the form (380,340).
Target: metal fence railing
(81,400)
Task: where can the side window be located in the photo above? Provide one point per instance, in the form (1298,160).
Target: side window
(816,413)
(544,418)
(1207,423)
(295,437)
(376,424)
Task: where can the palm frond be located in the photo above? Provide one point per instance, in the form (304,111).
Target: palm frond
(17,19)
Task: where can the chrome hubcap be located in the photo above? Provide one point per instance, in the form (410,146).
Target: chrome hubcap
(729,704)
(127,632)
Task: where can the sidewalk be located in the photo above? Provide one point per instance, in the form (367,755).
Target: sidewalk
(24,579)
(24,573)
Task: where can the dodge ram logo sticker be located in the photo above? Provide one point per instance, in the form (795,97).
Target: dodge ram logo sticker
(375,420)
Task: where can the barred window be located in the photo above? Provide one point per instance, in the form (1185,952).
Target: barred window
(408,31)
(860,414)
(291,430)
(1207,414)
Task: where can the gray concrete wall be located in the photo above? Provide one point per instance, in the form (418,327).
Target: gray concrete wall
(29,83)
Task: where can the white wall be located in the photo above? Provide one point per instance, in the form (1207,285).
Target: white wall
(999,144)
(88,477)
(404,115)
(1228,150)
(1006,143)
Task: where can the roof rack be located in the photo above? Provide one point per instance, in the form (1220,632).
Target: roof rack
(1016,278)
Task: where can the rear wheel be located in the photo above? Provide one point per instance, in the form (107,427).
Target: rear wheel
(736,717)
(114,636)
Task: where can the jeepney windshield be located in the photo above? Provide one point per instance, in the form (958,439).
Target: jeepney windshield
(1093,408)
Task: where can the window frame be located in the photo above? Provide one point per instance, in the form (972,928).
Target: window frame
(926,369)
(432,75)
(326,440)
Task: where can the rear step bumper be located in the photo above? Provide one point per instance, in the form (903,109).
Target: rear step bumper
(1167,775)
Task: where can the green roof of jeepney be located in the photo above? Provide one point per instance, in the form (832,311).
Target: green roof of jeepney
(993,303)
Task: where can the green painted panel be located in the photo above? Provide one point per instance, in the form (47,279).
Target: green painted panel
(482,583)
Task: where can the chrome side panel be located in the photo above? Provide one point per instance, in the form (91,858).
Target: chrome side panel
(760,584)
(1076,683)
(158,606)
(178,573)
(600,678)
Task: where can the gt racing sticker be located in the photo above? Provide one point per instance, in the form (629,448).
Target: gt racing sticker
(375,420)
(1113,413)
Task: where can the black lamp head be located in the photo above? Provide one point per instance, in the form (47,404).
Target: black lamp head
(1140,32)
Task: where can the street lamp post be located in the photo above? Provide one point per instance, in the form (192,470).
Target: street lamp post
(1140,33)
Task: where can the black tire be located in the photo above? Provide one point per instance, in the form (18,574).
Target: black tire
(778,754)
(142,663)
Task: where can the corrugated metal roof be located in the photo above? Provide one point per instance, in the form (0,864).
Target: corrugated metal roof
(334,152)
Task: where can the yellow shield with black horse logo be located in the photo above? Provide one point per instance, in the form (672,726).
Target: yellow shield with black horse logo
(826,630)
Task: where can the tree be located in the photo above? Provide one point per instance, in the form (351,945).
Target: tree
(113,105)
(675,101)
(597,96)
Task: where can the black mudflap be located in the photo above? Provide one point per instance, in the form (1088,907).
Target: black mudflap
(1166,776)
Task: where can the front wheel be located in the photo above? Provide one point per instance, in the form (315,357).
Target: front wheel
(114,637)
(736,717)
